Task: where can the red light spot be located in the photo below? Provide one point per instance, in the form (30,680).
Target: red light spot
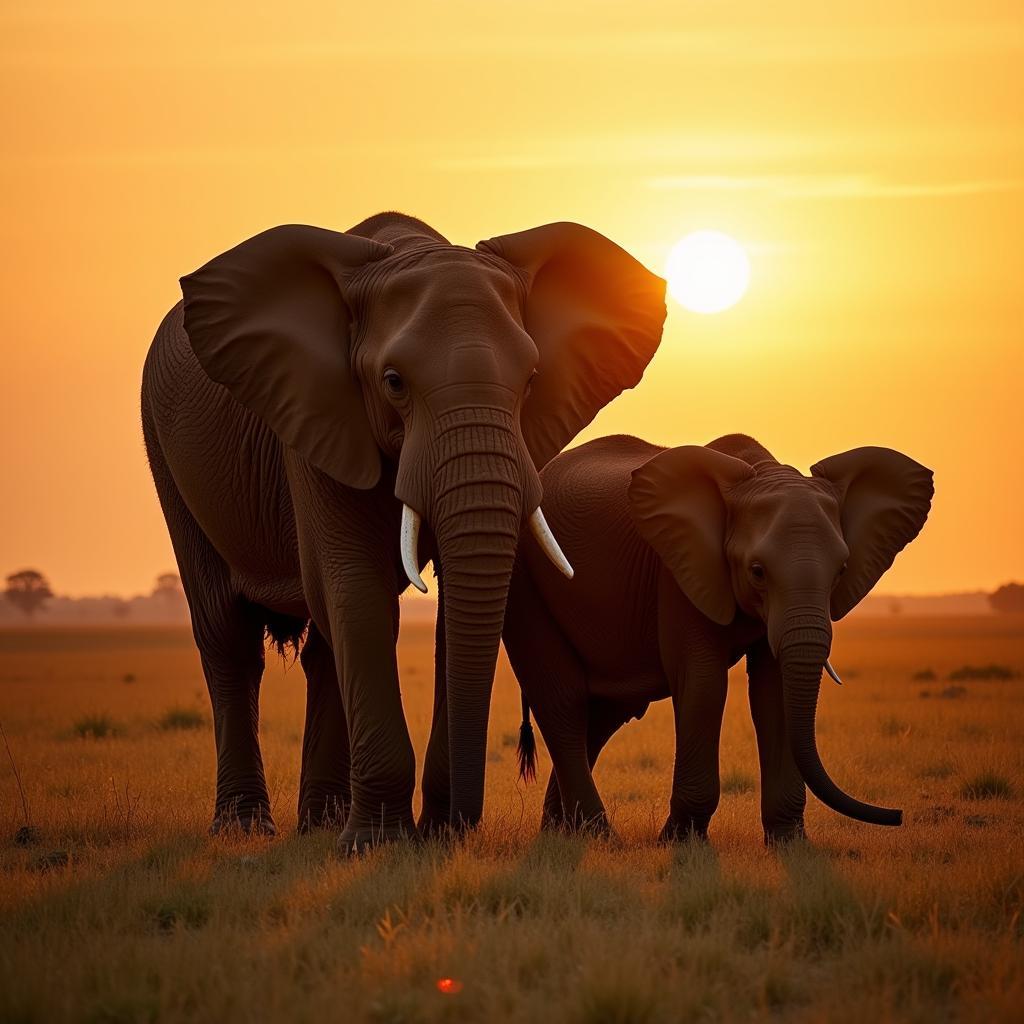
(449,986)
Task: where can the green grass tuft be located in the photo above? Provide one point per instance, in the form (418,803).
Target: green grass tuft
(937,770)
(982,672)
(190,912)
(182,719)
(893,727)
(616,1001)
(738,782)
(96,727)
(987,785)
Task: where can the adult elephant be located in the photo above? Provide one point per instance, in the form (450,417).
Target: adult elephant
(688,559)
(315,398)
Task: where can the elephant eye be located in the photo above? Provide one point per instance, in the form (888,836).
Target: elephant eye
(393,382)
(843,568)
(529,384)
(757,573)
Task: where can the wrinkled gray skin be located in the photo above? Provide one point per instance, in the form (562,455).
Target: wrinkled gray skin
(688,559)
(311,384)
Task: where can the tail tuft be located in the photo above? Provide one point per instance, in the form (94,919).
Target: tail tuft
(527,749)
(285,633)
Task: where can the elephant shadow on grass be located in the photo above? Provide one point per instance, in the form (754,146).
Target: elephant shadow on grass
(822,911)
(812,907)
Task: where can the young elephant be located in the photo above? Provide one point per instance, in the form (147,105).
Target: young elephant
(686,559)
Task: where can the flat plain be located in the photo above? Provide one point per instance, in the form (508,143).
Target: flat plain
(123,909)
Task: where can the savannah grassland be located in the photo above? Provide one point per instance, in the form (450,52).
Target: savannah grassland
(124,909)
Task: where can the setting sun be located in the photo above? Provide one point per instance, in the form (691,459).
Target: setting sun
(708,272)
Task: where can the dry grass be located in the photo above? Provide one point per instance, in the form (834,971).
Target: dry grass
(182,719)
(123,909)
(97,727)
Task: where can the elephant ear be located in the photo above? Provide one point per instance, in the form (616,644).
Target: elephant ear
(595,315)
(269,321)
(884,499)
(677,505)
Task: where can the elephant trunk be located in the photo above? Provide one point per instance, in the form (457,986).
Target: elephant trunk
(480,476)
(802,651)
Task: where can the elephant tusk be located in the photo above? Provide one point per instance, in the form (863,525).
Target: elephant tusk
(410,546)
(832,672)
(546,539)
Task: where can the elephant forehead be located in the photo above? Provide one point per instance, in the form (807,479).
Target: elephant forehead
(463,308)
(445,280)
(775,483)
(786,508)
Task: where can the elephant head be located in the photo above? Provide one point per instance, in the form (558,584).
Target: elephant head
(461,370)
(789,549)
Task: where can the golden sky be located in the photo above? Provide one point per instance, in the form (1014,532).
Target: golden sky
(870,156)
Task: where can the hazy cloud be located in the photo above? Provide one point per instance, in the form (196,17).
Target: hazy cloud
(638,150)
(572,32)
(832,186)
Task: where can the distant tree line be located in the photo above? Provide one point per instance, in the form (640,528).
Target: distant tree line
(28,593)
(29,596)
(1008,598)
(28,590)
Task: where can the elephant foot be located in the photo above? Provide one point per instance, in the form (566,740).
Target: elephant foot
(251,821)
(684,829)
(596,826)
(435,828)
(552,815)
(783,834)
(434,820)
(356,841)
(326,813)
(553,822)
(364,830)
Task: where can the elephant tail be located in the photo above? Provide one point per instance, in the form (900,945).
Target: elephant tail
(527,749)
(285,632)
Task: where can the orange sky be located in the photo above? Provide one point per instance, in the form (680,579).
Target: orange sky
(871,160)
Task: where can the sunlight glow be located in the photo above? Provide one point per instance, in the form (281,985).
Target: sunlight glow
(707,272)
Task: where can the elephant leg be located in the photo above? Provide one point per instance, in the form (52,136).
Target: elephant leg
(230,641)
(553,678)
(348,553)
(364,632)
(604,719)
(698,701)
(783,794)
(436,812)
(229,634)
(552,816)
(325,794)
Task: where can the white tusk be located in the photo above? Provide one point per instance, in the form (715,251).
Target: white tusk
(410,545)
(832,672)
(546,539)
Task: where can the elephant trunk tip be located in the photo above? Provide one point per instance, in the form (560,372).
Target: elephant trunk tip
(891,816)
(802,665)
(526,752)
